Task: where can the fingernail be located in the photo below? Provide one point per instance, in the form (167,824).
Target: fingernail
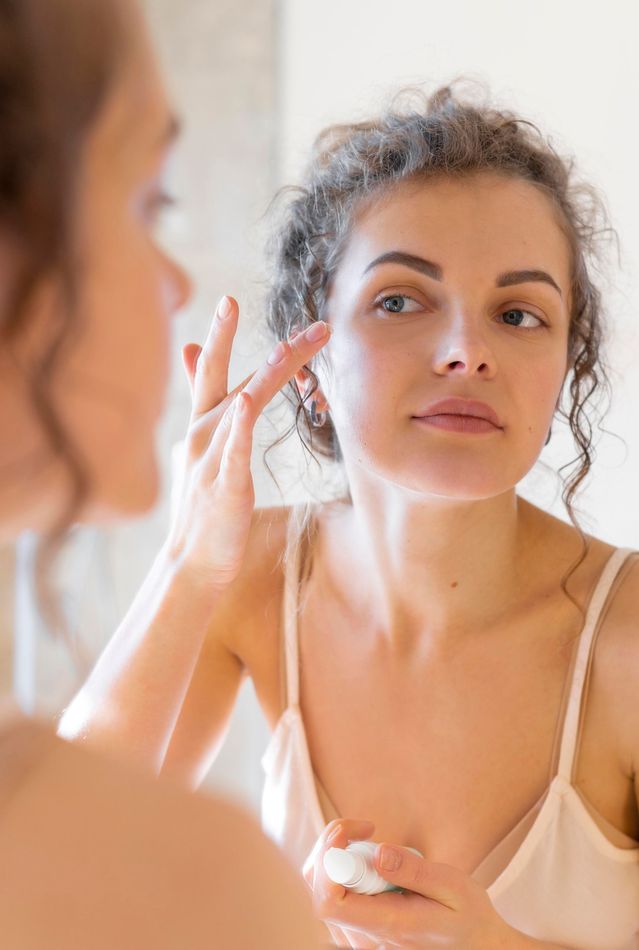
(389,858)
(224,308)
(277,355)
(317,331)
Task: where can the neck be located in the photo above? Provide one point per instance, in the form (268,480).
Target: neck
(435,570)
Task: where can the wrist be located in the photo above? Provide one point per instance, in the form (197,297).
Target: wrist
(173,560)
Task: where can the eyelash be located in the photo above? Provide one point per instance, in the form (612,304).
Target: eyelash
(380,301)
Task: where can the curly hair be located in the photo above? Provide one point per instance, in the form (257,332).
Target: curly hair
(451,135)
(57,64)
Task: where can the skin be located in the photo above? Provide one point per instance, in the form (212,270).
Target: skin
(416,489)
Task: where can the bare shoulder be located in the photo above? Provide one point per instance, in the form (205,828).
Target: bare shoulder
(172,848)
(559,547)
(616,665)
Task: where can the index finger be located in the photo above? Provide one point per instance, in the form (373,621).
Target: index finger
(285,360)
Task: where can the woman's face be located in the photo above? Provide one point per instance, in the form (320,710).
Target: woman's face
(131,289)
(448,289)
(109,388)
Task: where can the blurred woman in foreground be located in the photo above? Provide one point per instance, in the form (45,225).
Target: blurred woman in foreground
(96,854)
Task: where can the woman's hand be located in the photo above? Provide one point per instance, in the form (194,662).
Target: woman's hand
(210,529)
(441,907)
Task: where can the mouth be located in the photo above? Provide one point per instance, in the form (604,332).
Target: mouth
(454,422)
(463,415)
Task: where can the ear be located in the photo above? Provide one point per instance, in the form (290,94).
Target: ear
(303,382)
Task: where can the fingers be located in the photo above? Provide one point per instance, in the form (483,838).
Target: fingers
(404,868)
(207,370)
(259,388)
(285,360)
(235,463)
(336,834)
(211,378)
(190,355)
(230,423)
(224,436)
(333,902)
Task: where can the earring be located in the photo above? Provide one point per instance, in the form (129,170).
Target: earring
(317,418)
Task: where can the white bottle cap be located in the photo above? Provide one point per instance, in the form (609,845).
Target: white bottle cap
(344,867)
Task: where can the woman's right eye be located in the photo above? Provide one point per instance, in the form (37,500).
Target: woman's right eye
(398,303)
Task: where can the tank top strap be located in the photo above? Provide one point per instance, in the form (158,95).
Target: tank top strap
(293,569)
(584,659)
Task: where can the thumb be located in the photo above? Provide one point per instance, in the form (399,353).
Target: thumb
(406,869)
(190,354)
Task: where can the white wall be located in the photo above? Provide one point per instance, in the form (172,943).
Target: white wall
(570,67)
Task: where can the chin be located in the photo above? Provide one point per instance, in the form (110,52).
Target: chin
(462,481)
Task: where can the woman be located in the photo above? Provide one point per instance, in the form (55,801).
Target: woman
(419,646)
(96,854)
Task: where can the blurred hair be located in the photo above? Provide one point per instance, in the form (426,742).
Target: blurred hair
(453,135)
(58,59)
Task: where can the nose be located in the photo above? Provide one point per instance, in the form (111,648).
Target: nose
(464,351)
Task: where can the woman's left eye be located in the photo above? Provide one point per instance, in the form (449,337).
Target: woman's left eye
(516,317)
(398,303)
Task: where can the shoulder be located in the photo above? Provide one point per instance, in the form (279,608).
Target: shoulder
(616,660)
(152,838)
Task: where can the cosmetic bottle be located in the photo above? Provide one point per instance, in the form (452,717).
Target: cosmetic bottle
(353,867)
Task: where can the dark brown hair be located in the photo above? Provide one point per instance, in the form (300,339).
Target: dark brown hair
(454,135)
(57,62)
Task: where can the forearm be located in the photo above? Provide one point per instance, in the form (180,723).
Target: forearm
(132,698)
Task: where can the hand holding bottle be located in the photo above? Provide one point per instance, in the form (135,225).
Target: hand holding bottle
(439,905)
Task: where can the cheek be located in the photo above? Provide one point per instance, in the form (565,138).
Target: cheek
(536,392)
(127,309)
(365,383)
(116,375)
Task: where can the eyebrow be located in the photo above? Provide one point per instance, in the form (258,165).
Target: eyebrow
(434,271)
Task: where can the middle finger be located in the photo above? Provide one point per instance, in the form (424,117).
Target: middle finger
(285,360)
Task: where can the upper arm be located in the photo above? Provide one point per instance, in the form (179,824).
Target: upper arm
(223,662)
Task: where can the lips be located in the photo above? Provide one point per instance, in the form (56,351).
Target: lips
(461,407)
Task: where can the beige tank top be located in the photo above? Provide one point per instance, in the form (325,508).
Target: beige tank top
(562,874)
